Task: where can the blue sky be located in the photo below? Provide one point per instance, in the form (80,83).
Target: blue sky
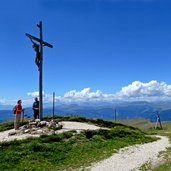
(101,47)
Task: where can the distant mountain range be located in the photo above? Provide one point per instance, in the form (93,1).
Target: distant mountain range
(104,110)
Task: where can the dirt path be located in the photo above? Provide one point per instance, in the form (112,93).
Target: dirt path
(133,157)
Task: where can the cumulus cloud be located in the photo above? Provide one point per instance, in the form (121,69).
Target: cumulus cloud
(46,97)
(6,101)
(34,94)
(152,90)
(84,94)
(136,91)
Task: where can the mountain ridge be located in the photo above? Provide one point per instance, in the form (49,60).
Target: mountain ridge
(106,111)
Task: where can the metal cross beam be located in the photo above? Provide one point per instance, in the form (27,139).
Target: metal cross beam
(39,62)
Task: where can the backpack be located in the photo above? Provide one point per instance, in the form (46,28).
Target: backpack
(14,110)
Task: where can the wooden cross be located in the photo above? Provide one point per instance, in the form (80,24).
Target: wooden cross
(158,121)
(39,62)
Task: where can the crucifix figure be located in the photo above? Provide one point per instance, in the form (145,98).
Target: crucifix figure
(37,50)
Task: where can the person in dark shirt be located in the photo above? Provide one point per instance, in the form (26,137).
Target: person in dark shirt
(36,108)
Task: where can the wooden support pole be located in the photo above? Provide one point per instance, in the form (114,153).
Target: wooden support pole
(41,73)
(53,104)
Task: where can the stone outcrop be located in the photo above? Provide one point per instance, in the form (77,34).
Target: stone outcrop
(38,127)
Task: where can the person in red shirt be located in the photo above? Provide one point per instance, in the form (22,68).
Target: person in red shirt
(18,112)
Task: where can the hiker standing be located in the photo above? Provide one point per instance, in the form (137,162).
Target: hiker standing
(36,108)
(18,112)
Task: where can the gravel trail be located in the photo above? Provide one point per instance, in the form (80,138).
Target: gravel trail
(133,157)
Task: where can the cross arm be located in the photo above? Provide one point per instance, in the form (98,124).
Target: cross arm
(38,40)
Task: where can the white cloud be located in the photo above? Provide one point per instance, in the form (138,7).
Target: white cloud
(7,102)
(34,94)
(152,90)
(46,97)
(136,91)
(83,94)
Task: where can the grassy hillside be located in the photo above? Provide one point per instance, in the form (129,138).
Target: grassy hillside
(69,150)
(143,124)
